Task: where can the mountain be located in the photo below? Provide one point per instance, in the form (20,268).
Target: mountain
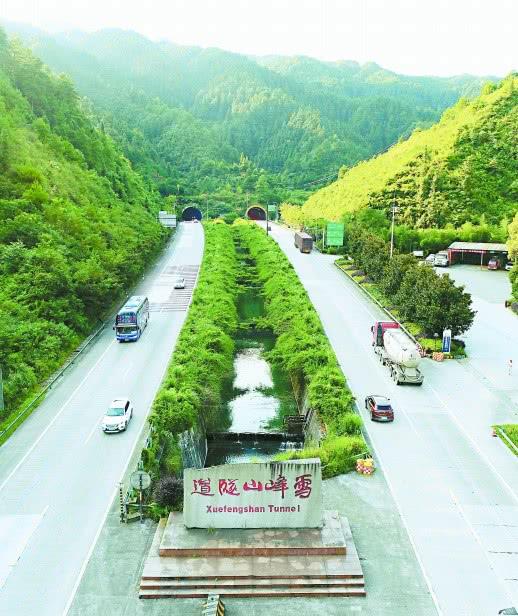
(293,122)
(77,223)
(460,169)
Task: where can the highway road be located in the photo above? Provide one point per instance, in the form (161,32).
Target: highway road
(456,487)
(59,473)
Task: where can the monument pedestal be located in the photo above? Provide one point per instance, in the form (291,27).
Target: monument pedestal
(240,562)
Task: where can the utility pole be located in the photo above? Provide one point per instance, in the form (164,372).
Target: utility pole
(267,221)
(394,210)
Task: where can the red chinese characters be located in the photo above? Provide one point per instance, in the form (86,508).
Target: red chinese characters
(202,487)
(303,486)
(228,486)
(255,486)
(278,485)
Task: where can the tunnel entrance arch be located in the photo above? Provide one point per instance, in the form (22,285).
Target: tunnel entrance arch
(256,212)
(191,212)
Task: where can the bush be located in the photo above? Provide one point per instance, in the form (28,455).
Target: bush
(204,353)
(168,492)
(303,350)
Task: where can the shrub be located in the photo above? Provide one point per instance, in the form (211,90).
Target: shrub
(168,492)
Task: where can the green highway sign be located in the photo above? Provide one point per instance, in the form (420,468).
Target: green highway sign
(272,208)
(335,234)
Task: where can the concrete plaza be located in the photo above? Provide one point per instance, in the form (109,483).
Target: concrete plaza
(394,582)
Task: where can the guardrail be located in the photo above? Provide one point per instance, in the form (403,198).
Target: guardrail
(49,384)
(378,303)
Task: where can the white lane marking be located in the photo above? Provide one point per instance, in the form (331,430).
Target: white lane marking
(103,519)
(54,419)
(127,371)
(92,431)
(16,532)
(393,493)
(473,443)
(479,541)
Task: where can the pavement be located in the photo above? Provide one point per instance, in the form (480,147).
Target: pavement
(455,486)
(59,473)
(394,584)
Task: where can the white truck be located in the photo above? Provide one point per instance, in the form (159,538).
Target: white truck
(395,350)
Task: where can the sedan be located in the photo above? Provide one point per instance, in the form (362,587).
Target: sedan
(179,283)
(118,415)
(379,408)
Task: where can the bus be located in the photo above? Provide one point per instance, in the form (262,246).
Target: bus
(132,318)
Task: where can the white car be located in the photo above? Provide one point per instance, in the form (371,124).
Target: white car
(429,261)
(117,417)
(509,266)
(179,283)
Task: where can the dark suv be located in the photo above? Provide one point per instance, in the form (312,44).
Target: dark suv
(379,408)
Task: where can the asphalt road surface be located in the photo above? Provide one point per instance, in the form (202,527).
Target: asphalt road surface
(59,472)
(455,485)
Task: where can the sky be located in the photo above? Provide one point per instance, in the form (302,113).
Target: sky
(416,37)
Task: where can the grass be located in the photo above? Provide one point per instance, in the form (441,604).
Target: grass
(511,431)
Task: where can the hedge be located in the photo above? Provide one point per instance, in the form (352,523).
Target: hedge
(204,353)
(303,350)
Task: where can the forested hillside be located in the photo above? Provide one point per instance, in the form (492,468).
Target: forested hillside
(457,171)
(239,129)
(77,224)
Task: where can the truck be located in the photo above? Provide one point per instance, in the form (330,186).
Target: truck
(395,350)
(441,259)
(303,241)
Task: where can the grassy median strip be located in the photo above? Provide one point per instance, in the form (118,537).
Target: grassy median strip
(203,356)
(303,350)
(511,432)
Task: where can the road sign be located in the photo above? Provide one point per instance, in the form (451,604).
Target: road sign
(446,341)
(140,480)
(272,208)
(335,234)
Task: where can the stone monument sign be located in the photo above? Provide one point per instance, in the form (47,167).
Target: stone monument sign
(254,495)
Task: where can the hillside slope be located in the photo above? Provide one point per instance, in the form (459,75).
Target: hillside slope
(77,224)
(298,125)
(459,169)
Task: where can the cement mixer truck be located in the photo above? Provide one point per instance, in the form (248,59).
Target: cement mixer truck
(395,350)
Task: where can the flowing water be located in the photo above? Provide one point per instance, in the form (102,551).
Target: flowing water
(259,396)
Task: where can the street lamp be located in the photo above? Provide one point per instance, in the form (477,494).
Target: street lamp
(436,336)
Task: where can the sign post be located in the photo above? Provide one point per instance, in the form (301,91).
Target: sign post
(446,341)
(334,234)
(140,480)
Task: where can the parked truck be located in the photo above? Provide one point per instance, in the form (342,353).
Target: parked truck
(303,241)
(395,350)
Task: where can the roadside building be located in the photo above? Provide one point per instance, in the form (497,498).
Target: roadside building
(476,253)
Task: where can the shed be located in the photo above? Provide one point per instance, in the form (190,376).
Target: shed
(477,253)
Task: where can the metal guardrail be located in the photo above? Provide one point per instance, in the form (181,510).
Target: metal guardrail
(50,383)
(378,303)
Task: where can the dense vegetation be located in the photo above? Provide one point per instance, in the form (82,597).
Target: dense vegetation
(417,293)
(513,253)
(460,170)
(77,224)
(225,130)
(303,351)
(204,354)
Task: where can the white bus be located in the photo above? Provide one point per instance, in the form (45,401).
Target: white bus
(132,318)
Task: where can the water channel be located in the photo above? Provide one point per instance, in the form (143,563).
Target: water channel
(258,397)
